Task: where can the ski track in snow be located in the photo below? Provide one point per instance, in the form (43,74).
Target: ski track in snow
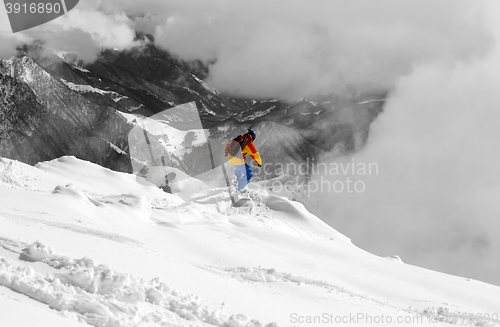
(82,290)
(19,219)
(88,292)
(271,275)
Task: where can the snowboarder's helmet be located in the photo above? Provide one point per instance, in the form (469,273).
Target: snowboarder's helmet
(253,134)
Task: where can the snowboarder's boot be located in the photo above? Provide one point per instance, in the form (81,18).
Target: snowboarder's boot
(242,193)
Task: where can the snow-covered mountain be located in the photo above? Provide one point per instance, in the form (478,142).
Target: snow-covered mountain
(83,245)
(55,106)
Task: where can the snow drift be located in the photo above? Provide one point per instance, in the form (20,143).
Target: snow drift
(83,244)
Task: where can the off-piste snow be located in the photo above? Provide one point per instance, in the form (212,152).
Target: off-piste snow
(84,245)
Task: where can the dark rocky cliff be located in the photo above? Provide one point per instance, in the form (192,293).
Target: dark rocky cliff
(41,118)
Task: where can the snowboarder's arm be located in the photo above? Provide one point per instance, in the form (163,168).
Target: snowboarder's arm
(252,151)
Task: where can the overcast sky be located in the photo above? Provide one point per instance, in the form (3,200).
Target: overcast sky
(435,201)
(279,48)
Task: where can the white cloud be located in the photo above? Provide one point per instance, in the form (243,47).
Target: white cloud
(298,48)
(285,48)
(86,30)
(435,201)
(8,40)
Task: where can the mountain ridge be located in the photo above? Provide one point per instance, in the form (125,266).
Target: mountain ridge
(80,105)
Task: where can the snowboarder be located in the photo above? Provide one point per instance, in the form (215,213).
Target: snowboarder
(236,151)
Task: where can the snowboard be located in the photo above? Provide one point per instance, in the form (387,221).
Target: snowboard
(239,200)
(242,202)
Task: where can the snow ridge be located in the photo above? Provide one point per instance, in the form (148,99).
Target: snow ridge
(270,259)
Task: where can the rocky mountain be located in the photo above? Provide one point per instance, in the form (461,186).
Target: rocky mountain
(50,105)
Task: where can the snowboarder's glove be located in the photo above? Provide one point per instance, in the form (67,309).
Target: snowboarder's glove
(259,165)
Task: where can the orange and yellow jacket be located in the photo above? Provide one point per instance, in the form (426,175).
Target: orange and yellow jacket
(249,149)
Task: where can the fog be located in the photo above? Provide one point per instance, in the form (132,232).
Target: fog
(436,198)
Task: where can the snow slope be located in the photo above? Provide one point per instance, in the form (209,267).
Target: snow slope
(81,244)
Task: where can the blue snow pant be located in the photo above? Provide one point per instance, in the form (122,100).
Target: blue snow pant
(244,174)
